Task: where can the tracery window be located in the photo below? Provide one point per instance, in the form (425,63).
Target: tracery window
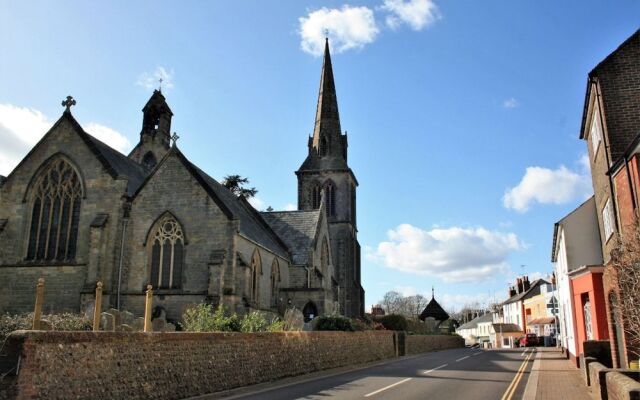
(167,253)
(55,200)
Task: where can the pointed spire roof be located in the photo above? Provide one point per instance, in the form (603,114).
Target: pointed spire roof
(327,116)
(434,310)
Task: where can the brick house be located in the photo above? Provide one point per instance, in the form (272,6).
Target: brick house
(610,126)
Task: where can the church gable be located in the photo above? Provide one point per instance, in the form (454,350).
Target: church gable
(62,153)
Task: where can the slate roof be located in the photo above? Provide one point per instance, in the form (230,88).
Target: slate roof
(297,229)
(474,322)
(532,290)
(434,310)
(121,164)
(252,225)
(506,328)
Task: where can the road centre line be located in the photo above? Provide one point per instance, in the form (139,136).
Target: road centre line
(463,358)
(477,354)
(387,387)
(516,379)
(435,369)
(524,352)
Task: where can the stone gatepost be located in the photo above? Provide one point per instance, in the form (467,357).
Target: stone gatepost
(37,312)
(147,309)
(97,307)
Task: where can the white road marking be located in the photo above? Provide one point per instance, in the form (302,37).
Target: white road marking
(477,354)
(524,352)
(387,387)
(435,369)
(460,359)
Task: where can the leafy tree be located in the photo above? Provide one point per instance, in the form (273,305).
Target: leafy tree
(235,183)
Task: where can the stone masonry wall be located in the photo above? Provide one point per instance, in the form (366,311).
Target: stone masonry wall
(108,365)
(416,344)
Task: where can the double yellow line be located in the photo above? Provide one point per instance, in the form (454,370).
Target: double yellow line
(516,379)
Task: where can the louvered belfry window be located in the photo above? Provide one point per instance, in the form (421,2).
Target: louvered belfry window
(167,254)
(56,200)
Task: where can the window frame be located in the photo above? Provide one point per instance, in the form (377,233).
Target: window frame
(176,236)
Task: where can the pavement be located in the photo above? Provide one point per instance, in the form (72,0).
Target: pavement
(553,377)
(451,374)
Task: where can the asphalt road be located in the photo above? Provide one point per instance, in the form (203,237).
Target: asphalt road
(452,374)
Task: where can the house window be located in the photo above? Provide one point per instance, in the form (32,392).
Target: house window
(55,213)
(607,219)
(596,132)
(167,253)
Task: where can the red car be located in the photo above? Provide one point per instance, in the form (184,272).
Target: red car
(529,340)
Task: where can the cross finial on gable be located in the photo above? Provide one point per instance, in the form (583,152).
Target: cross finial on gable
(70,101)
(175,138)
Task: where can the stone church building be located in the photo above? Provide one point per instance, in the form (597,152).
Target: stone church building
(75,211)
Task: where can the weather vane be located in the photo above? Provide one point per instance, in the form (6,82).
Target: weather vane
(326,33)
(70,101)
(160,86)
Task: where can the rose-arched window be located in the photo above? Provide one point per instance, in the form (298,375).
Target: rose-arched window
(55,212)
(275,282)
(316,195)
(256,271)
(330,198)
(167,253)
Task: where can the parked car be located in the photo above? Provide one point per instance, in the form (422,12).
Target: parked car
(529,340)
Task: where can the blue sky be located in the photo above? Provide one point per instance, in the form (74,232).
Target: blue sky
(463,116)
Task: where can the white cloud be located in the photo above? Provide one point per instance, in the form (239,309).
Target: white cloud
(547,186)
(114,138)
(151,80)
(511,103)
(418,14)
(348,28)
(290,207)
(22,127)
(257,203)
(584,163)
(453,254)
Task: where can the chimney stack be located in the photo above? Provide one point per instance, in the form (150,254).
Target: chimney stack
(526,284)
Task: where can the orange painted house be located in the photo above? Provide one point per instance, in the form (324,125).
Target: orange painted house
(589,308)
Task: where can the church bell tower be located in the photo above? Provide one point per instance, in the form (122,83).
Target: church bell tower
(155,135)
(325,176)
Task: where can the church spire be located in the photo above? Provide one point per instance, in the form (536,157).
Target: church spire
(327,116)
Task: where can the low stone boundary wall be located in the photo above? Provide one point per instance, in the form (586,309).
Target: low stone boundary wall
(622,387)
(172,365)
(416,344)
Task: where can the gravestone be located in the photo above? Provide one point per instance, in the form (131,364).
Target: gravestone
(293,320)
(108,321)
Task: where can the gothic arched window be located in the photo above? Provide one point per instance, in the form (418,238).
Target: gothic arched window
(275,282)
(55,200)
(167,253)
(256,271)
(316,195)
(330,198)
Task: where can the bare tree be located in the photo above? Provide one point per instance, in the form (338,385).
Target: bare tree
(415,304)
(392,302)
(626,265)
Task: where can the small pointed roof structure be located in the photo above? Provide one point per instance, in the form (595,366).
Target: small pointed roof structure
(327,145)
(327,115)
(434,310)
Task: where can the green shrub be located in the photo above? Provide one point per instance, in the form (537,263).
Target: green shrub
(202,318)
(394,322)
(333,323)
(253,322)
(276,325)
